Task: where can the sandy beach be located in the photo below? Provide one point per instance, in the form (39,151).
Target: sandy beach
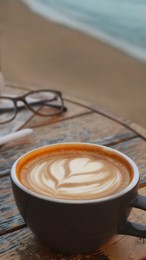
(44,54)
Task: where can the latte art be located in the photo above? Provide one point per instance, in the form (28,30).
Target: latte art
(74,176)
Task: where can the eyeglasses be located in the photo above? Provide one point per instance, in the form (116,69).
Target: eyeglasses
(44,103)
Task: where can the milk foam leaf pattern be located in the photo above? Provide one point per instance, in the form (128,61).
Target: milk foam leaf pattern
(75,177)
(84,165)
(57,170)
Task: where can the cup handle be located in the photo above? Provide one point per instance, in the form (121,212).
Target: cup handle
(133,229)
(136,229)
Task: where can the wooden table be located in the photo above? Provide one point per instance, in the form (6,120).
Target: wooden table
(81,122)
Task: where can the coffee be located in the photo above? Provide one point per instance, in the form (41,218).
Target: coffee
(74,172)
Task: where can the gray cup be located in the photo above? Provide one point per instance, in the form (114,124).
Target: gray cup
(81,226)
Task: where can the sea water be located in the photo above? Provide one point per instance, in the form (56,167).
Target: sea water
(121,23)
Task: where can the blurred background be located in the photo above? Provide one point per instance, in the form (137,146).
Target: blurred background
(91,49)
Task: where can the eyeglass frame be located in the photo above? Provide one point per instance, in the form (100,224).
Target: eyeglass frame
(22,98)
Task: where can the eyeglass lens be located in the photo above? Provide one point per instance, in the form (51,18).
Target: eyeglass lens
(44,103)
(7,110)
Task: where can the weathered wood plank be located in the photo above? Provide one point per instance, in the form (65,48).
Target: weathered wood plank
(136,150)
(23,245)
(139,130)
(72,99)
(96,108)
(73,110)
(86,128)
(10,218)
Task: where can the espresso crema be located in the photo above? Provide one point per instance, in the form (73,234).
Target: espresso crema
(74,175)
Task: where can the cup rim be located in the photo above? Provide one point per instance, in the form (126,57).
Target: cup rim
(132,184)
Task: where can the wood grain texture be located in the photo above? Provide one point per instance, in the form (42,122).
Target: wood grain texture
(22,244)
(139,130)
(85,128)
(73,110)
(88,127)
(100,110)
(86,105)
(71,99)
(78,124)
(10,219)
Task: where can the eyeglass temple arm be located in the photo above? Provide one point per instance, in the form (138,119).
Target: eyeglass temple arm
(35,103)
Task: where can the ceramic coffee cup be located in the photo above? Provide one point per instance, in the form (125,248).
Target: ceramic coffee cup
(83,225)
